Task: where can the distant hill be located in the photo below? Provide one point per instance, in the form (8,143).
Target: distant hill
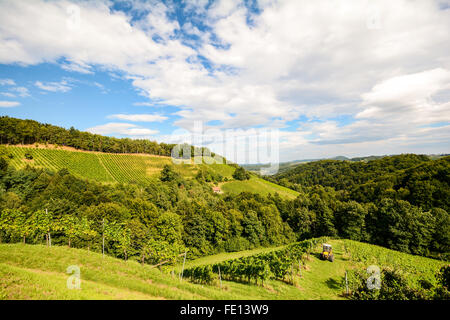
(284,166)
(416,178)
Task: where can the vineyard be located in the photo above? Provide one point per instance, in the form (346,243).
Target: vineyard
(367,254)
(39,272)
(102,167)
(280,264)
(131,168)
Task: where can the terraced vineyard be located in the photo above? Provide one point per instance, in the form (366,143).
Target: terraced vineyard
(101,167)
(132,168)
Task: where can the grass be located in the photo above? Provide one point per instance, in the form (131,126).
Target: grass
(257,185)
(39,272)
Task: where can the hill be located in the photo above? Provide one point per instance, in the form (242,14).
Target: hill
(39,272)
(290,165)
(416,178)
(101,167)
(129,168)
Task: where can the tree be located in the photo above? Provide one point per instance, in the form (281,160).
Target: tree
(350,220)
(324,217)
(441,236)
(69,225)
(241,174)
(302,222)
(253,229)
(159,251)
(110,230)
(85,231)
(42,224)
(7,221)
(168,174)
(21,224)
(124,240)
(271,220)
(168,227)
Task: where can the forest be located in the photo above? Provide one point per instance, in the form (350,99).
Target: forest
(399,202)
(17,131)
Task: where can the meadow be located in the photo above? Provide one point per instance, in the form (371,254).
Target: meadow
(258,185)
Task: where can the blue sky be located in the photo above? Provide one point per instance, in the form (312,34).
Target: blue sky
(83,101)
(337,78)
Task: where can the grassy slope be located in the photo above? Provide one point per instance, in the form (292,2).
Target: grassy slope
(258,185)
(126,168)
(38,272)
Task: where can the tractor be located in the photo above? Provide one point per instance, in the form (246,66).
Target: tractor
(327,253)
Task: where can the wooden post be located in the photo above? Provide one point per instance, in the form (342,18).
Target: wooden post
(103,238)
(46,235)
(182,270)
(220,278)
(346,283)
(292,273)
(300,268)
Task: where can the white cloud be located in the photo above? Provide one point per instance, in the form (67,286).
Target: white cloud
(8,94)
(128,129)
(79,67)
(139,117)
(62,86)
(102,88)
(408,101)
(7,82)
(14,91)
(21,91)
(9,104)
(146,104)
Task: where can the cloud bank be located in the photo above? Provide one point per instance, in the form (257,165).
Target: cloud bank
(383,65)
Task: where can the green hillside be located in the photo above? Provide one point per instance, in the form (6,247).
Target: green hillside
(128,168)
(258,185)
(102,167)
(39,272)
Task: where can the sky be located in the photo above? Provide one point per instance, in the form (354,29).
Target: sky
(334,77)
